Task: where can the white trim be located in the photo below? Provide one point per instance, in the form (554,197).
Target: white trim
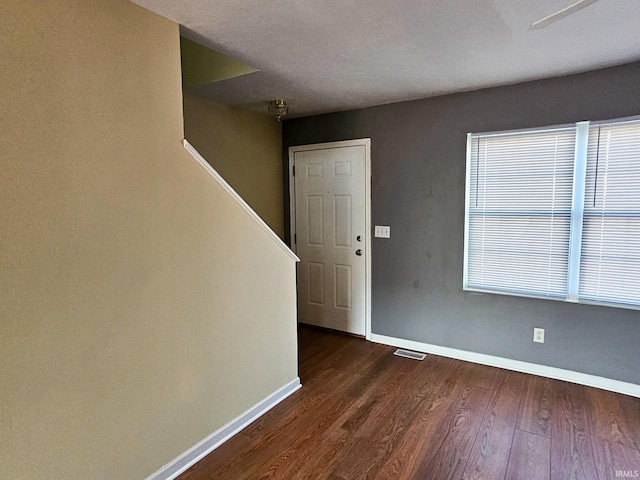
(577,210)
(194,153)
(467,199)
(201,449)
(633,118)
(582,301)
(367,239)
(515,365)
(521,131)
(366,142)
(292,202)
(576,230)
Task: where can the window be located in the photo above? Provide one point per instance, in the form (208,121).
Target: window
(555,212)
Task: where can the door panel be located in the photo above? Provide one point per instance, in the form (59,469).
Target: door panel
(342,220)
(316,283)
(315,218)
(330,216)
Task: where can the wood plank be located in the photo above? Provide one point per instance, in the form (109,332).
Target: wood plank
(314,349)
(456,377)
(419,436)
(482,376)
(454,436)
(615,461)
(535,407)
(365,410)
(630,407)
(327,380)
(380,384)
(227,451)
(273,450)
(363,413)
(571,449)
(490,454)
(606,418)
(386,433)
(275,430)
(530,457)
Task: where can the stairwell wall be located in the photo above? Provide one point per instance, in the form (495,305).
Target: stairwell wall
(142,308)
(245,148)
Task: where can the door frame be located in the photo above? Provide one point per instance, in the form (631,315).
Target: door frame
(365,142)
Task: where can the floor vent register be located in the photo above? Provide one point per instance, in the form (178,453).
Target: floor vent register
(409,354)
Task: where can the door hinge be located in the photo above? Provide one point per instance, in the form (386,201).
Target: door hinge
(295,238)
(294,170)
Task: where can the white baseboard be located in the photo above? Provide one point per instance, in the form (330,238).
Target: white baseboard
(181,463)
(516,365)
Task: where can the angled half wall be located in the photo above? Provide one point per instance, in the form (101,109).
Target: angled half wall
(143,309)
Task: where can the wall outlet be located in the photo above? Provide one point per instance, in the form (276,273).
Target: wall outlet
(538,335)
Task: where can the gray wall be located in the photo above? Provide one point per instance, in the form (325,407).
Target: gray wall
(418,166)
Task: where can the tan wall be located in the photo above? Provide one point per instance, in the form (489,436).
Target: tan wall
(245,148)
(128,279)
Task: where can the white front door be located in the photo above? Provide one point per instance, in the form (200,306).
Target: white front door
(330,233)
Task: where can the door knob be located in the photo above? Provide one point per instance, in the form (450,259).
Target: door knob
(359,238)
(359,252)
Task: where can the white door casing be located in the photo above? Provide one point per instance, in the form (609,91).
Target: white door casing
(330,232)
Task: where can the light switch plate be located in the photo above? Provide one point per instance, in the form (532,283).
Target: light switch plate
(382,231)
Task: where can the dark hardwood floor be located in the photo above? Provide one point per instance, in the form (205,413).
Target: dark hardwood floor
(365,413)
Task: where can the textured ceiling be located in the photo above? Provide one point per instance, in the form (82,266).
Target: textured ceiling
(329,55)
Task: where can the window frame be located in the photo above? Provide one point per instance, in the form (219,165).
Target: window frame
(577,214)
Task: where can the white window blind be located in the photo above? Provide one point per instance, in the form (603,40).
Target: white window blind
(555,213)
(519,199)
(610,256)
